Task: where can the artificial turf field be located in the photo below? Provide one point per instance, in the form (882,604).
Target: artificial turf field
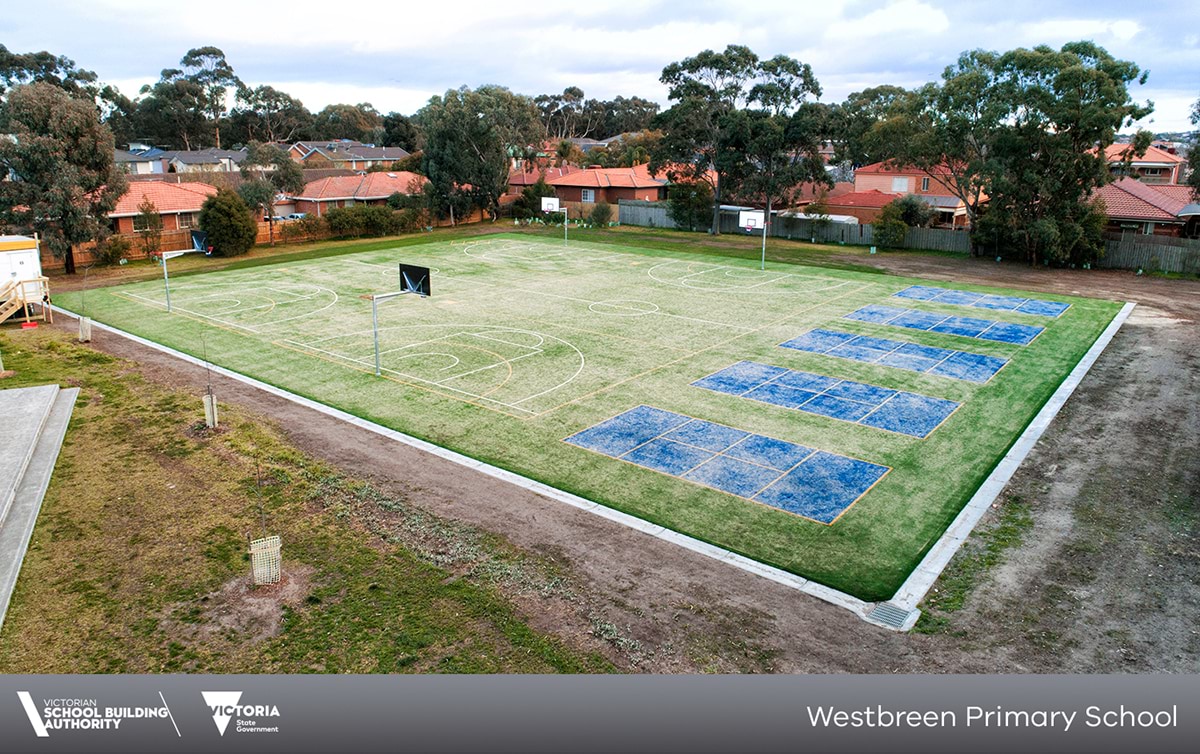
(574,365)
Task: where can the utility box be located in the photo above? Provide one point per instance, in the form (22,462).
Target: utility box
(20,259)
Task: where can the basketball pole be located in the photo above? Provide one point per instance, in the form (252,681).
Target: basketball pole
(375,299)
(166,283)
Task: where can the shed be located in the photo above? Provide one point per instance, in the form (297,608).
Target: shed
(20,259)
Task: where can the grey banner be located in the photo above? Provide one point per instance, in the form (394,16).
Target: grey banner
(599,714)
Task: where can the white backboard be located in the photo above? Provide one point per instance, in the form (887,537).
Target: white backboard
(549,204)
(751,219)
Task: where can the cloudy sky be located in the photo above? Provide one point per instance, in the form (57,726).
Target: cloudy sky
(395,55)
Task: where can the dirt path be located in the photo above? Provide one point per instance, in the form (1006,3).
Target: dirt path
(1107,580)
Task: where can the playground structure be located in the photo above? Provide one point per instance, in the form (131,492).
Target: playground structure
(24,291)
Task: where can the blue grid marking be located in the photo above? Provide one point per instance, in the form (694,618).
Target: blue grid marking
(623,433)
(742,376)
(870,405)
(810,483)
(819,487)
(981,301)
(967,327)
(911,356)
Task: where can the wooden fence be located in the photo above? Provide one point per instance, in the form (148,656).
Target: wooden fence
(1151,253)
(654,214)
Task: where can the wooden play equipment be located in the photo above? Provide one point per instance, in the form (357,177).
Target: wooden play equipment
(24,291)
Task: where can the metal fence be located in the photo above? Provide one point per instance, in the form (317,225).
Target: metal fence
(1151,253)
(654,214)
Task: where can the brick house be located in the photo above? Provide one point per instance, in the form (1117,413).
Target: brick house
(1150,209)
(319,196)
(178,205)
(359,157)
(1156,166)
(595,185)
(519,180)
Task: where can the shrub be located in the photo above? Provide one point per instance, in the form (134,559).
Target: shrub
(230,225)
(601,214)
(915,212)
(112,250)
(691,205)
(889,228)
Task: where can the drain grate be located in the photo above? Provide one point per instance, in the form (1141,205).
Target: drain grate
(892,616)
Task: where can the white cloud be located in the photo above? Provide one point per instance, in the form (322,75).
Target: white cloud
(1059,30)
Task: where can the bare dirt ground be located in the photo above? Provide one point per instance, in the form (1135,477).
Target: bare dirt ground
(1106,580)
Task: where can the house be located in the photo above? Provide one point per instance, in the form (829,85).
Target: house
(300,149)
(1157,165)
(594,185)
(864,205)
(519,180)
(136,163)
(933,186)
(203,160)
(1150,209)
(319,196)
(177,203)
(360,157)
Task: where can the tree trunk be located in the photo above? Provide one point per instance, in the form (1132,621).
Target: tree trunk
(69,261)
(716,222)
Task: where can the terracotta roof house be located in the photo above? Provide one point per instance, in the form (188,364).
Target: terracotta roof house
(932,186)
(1156,166)
(519,180)
(865,205)
(177,203)
(319,196)
(610,185)
(1150,209)
(361,157)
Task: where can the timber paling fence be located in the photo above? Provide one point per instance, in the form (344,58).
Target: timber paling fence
(1150,253)
(654,214)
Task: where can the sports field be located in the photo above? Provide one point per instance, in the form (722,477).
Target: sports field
(827,422)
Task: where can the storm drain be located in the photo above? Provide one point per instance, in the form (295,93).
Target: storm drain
(892,616)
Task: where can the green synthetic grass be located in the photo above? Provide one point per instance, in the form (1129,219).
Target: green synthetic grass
(567,360)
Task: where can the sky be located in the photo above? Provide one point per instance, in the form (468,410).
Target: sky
(397,54)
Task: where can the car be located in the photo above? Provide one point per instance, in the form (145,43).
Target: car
(297,216)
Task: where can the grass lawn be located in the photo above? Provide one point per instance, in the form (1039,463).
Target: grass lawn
(138,563)
(526,342)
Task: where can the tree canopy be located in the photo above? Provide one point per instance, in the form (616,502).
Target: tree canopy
(470,135)
(62,158)
(229,223)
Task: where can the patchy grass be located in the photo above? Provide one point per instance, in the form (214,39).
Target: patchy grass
(138,563)
(986,549)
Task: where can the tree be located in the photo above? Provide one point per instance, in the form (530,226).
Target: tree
(62,158)
(171,112)
(771,150)
(207,68)
(272,172)
(361,122)
(1027,130)
(858,123)
(60,71)
(149,224)
(529,203)
(469,135)
(400,131)
(1194,154)
(267,114)
(230,226)
(706,90)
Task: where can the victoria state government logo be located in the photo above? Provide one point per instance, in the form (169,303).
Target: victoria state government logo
(249,718)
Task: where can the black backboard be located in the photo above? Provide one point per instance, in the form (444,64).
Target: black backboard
(414,279)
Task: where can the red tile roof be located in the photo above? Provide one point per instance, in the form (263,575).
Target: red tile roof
(870,198)
(362,187)
(888,167)
(1130,199)
(1154,155)
(635,177)
(169,198)
(528,178)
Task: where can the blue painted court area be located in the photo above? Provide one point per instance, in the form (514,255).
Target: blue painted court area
(858,402)
(784,475)
(984,301)
(967,327)
(943,362)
